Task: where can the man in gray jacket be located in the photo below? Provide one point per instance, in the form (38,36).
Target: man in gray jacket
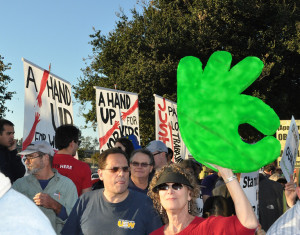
(53,193)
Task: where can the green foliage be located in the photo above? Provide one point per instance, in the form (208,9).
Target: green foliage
(141,54)
(81,154)
(95,157)
(4,81)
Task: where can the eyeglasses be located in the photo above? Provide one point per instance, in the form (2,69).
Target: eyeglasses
(142,164)
(78,142)
(117,169)
(30,158)
(175,186)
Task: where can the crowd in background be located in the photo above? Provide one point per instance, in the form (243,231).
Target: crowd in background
(139,191)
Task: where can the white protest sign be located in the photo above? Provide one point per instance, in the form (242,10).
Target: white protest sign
(249,183)
(167,128)
(48,104)
(199,202)
(290,151)
(117,116)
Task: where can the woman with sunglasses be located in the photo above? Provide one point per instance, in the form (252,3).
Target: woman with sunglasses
(141,166)
(174,192)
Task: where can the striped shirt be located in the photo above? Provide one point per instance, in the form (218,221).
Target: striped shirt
(288,223)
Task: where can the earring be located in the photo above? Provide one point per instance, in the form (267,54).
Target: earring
(161,210)
(189,207)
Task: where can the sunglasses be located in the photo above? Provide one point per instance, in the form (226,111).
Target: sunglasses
(78,142)
(175,186)
(137,164)
(117,169)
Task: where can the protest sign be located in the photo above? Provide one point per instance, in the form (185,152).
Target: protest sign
(48,104)
(281,135)
(117,116)
(290,151)
(167,128)
(249,183)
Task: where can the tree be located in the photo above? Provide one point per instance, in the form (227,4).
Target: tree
(4,81)
(141,54)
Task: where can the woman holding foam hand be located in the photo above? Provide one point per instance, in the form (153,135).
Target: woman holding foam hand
(174,192)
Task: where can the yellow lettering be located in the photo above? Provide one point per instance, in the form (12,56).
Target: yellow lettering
(120,223)
(131,224)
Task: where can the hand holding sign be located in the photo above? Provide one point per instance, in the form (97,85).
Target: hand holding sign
(211,107)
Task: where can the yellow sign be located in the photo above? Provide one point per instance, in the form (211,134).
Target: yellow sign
(281,135)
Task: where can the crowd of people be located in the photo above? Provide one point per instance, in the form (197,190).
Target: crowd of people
(140,191)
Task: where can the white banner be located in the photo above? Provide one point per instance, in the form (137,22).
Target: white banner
(48,104)
(290,151)
(249,183)
(117,116)
(167,128)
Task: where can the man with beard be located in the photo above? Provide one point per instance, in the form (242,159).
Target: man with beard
(53,193)
(115,209)
(10,164)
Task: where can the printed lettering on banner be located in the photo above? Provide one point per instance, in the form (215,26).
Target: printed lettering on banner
(249,183)
(48,104)
(117,116)
(290,151)
(281,135)
(167,128)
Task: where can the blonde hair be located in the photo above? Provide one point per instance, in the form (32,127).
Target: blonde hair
(194,192)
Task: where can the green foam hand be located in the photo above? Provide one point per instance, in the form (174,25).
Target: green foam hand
(211,108)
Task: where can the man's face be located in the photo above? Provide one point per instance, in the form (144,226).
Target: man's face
(115,183)
(34,163)
(7,136)
(160,159)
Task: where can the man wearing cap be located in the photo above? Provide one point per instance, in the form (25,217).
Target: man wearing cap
(159,151)
(53,193)
(115,209)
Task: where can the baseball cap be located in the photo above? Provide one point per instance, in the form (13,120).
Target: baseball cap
(169,176)
(157,145)
(38,146)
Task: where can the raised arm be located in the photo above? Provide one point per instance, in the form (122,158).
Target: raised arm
(242,206)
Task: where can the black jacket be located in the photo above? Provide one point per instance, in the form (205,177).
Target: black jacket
(270,201)
(10,164)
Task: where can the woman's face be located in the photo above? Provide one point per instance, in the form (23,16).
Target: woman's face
(175,200)
(119,145)
(140,165)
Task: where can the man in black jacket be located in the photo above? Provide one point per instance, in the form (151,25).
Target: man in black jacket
(10,164)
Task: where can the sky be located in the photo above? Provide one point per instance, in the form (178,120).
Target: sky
(55,32)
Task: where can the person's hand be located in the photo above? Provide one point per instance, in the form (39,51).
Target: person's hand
(290,192)
(211,107)
(44,200)
(13,146)
(224,172)
(260,231)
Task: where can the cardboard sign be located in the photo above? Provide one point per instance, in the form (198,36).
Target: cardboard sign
(290,151)
(249,183)
(117,116)
(281,135)
(48,104)
(167,128)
